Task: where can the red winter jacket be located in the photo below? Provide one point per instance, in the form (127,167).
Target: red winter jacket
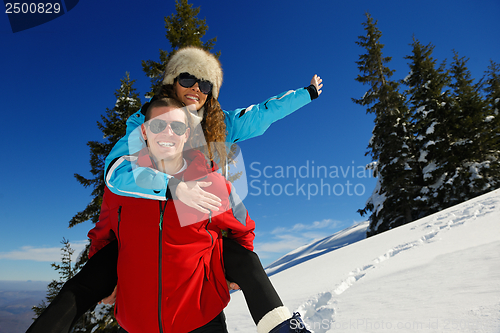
(171,277)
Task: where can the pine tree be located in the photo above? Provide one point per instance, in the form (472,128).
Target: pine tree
(429,103)
(88,322)
(391,202)
(462,169)
(492,91)
(436,145)
(492,88)
(183,29)
(491,173)
(113,127)
(66,271)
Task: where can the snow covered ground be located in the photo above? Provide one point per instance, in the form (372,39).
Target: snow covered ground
(438,274)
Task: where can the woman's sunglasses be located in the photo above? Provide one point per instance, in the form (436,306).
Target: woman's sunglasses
(187,81)
(158,125)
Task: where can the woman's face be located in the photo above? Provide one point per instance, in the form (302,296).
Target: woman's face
(190,96)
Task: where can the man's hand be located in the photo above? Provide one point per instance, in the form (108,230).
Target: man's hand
(192,195)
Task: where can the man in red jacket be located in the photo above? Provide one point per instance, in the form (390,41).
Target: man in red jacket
(170,267)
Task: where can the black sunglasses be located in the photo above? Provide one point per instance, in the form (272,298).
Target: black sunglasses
(187,81)
(158,125)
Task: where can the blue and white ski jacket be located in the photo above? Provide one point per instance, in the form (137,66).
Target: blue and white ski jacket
(241,124)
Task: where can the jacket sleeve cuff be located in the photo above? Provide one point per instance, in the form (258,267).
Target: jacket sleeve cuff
(172,187)
(313,92)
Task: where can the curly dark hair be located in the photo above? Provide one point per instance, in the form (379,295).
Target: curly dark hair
(213,125)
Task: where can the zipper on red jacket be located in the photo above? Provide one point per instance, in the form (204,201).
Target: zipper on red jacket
(211,237)
(160,243)
(119,220)
(206,226)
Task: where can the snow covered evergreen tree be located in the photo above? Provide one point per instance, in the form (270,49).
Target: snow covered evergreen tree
(391,202)
(465,156)
(429,103)
(113,127)
(438,148)
(492,91)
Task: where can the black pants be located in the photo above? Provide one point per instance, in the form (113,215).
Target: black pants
(244,267)
(97,279)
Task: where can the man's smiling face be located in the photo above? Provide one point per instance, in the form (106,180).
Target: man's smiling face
(166,144)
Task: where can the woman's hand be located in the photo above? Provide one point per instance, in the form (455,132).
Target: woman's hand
(232,286)
(192,195)
(317,82)
(111,299)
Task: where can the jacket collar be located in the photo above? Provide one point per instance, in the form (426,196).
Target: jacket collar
(197,165)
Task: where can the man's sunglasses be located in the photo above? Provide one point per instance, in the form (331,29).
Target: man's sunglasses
(158,125)
(187,81)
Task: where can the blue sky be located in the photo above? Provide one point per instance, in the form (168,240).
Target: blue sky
(59,77)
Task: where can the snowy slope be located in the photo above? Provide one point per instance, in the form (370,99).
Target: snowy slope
(340,239)
(438,274)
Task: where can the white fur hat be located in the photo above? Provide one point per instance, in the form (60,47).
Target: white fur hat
(197,62)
